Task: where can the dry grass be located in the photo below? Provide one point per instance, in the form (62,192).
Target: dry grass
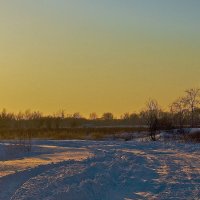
(194,137)
(96,133)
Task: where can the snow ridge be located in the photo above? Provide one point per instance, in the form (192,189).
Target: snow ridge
(118,170)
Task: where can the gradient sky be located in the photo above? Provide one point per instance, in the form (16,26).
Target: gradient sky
(106,55)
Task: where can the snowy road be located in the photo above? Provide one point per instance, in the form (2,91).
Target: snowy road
(107,171)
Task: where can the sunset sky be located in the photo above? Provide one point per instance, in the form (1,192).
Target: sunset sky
(97,55)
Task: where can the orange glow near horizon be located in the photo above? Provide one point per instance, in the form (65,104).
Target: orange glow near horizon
(96,56)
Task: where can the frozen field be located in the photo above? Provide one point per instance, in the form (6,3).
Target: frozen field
(89,170)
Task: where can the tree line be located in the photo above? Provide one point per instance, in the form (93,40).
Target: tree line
(183,112)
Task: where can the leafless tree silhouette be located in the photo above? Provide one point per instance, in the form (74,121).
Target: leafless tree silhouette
(178,109)
(192,101)
(151,115)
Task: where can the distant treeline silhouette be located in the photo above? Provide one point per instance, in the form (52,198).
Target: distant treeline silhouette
(184,112)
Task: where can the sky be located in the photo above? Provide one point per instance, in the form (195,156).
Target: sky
(97,56)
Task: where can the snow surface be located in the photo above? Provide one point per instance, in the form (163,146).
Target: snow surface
(101,170)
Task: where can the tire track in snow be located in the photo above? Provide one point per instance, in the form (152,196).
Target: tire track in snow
(120,171)
(42,185)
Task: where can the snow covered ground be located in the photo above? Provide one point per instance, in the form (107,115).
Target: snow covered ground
(100,170)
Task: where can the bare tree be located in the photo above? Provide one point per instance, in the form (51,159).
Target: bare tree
(125,116)
(151,115)
(77,115)
(60,114)
(107,116)
(192,101)
(93,116)
(178,109)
